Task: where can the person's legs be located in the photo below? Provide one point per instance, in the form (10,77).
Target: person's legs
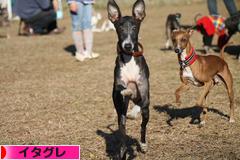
(87,30)
(231,7)
(212,7)
(77,32)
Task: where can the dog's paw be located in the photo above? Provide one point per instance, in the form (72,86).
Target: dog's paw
(133,114)
(201,124)
(126,92)
(231,120)
(143,147)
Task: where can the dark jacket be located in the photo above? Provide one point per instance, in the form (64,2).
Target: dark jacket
(26,9)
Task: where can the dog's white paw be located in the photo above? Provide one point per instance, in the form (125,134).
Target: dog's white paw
(133,114)
(202,123)
(231,120)
(143,147)
(126,92)
(167,44)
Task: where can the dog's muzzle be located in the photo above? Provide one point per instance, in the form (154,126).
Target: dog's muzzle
(178,50)
(128,47)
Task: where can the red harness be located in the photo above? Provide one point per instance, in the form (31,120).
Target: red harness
(190,59)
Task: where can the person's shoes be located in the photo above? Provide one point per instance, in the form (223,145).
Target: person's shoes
(80,57)
(93,55)
(58,30)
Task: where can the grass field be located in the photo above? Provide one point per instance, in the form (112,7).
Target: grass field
(47,97)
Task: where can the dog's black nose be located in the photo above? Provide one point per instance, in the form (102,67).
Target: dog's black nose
(128,46)
(178,50)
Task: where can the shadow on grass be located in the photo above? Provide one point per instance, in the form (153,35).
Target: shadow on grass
(233,50)
(112,141)
(192,112)
(70,49)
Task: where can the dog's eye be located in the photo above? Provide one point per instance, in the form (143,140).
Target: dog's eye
(121,29)
(134,28)
(184,40)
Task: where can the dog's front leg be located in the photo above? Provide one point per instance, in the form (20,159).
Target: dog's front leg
(183,87)
(144,104)
(145,119)
(121,106)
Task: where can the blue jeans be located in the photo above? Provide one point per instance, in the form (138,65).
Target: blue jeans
(81,19)
(230,5)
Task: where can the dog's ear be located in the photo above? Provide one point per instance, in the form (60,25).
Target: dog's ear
(114,13)
(190,32)
(138,10)
(178,15)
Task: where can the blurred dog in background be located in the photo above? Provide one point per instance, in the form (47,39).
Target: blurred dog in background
(106,25)
(173,23)
(4,22)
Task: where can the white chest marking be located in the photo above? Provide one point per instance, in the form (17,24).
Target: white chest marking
(130,72)
(187,72)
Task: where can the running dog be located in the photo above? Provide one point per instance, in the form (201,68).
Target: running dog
(200,71)
(131,73)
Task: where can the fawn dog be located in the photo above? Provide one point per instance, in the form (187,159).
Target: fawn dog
(200,71)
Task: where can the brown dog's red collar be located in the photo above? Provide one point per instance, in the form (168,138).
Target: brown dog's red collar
(190,59)
(134,53)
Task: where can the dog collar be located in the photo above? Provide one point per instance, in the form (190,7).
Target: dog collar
(190,59)
(138,53)
(134,53)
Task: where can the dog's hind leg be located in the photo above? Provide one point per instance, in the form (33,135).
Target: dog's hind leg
(202,98)
(228,81)
(121,106)
(133,113)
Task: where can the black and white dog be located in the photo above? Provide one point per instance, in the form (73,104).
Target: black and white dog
(4,22)
(131,73)
(172,23)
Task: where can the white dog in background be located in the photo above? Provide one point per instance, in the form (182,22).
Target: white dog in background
(106,25)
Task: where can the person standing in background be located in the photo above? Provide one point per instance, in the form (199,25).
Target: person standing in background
(230,5)
(81,14)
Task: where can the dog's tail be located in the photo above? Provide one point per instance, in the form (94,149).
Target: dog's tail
(223,48)
(131,90)
(196,17)
(194,24)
